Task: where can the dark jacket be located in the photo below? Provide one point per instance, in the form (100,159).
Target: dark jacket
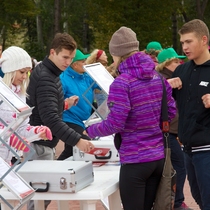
(194,118)
(46,96)
(174,123)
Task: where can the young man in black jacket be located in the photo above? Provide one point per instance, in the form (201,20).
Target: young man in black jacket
(192,92)
(46,96)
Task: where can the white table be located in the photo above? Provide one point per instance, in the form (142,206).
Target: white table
(106,184)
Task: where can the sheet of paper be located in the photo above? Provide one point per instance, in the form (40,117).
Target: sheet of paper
(99,73)
(13,181)
(12,98)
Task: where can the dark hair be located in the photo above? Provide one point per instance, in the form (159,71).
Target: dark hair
(63,41)
(195,26)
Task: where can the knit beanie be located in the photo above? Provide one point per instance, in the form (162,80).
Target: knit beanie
(14,58)
(123,42)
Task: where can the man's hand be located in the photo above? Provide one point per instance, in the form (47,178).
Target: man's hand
(175,82)
(85,133)
(206,100)
(71,101)
(85,145)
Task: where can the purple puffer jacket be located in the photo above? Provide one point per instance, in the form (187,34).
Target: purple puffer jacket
(135,108)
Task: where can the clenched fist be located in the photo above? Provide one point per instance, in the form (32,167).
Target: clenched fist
(175,82)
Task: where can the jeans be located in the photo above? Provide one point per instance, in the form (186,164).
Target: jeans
(138,184)
(198,173)
(177,159)
(100,97)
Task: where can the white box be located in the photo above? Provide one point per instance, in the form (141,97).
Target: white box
(57,176)
(103,142)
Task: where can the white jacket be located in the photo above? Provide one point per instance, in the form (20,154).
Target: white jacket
(24,130)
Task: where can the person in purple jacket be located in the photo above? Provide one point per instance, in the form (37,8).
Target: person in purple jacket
(135,112)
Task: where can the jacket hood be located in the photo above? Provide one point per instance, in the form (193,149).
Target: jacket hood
(138,65)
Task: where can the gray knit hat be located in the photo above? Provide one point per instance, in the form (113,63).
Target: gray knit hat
(123,41)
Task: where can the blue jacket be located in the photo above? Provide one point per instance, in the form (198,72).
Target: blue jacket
(1,73)
(74,83)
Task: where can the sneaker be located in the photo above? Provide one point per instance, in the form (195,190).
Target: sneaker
(183,207)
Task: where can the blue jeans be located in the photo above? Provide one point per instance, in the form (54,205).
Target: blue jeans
(100,97)
(177,159)
(198,173)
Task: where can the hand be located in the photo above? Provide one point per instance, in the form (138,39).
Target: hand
(18,144)
(175,82)
(44,132)
(72,101)
(85,133)
(85,145)
(206,100)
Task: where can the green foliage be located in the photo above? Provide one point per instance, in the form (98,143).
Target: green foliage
(12,19)
(34,50)
(105,17)
(76,18)
(92,22)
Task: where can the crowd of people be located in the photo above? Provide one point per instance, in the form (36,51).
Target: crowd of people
(56,86)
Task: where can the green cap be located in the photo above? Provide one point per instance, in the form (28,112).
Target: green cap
(79,56)
(167,54)
(153,46)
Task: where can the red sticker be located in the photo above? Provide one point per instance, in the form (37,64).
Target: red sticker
(99,151)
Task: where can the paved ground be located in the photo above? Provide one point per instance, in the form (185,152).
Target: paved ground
(74,205)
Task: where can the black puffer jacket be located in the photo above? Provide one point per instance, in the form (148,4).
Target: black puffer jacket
(46,96)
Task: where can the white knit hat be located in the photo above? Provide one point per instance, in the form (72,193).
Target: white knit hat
(14,58)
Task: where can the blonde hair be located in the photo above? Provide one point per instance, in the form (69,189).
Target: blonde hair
(152,52)
(93,58)
(114,68)
(166,63)
(9,78)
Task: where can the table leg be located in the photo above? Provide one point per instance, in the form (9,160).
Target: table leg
(88,205)
(115,201)
(63,205)
(4,206)
(105,203)
(39,205)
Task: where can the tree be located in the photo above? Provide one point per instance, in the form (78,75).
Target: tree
(12,18)
(92,22)
(146,18)
(201,6)
(57,16)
